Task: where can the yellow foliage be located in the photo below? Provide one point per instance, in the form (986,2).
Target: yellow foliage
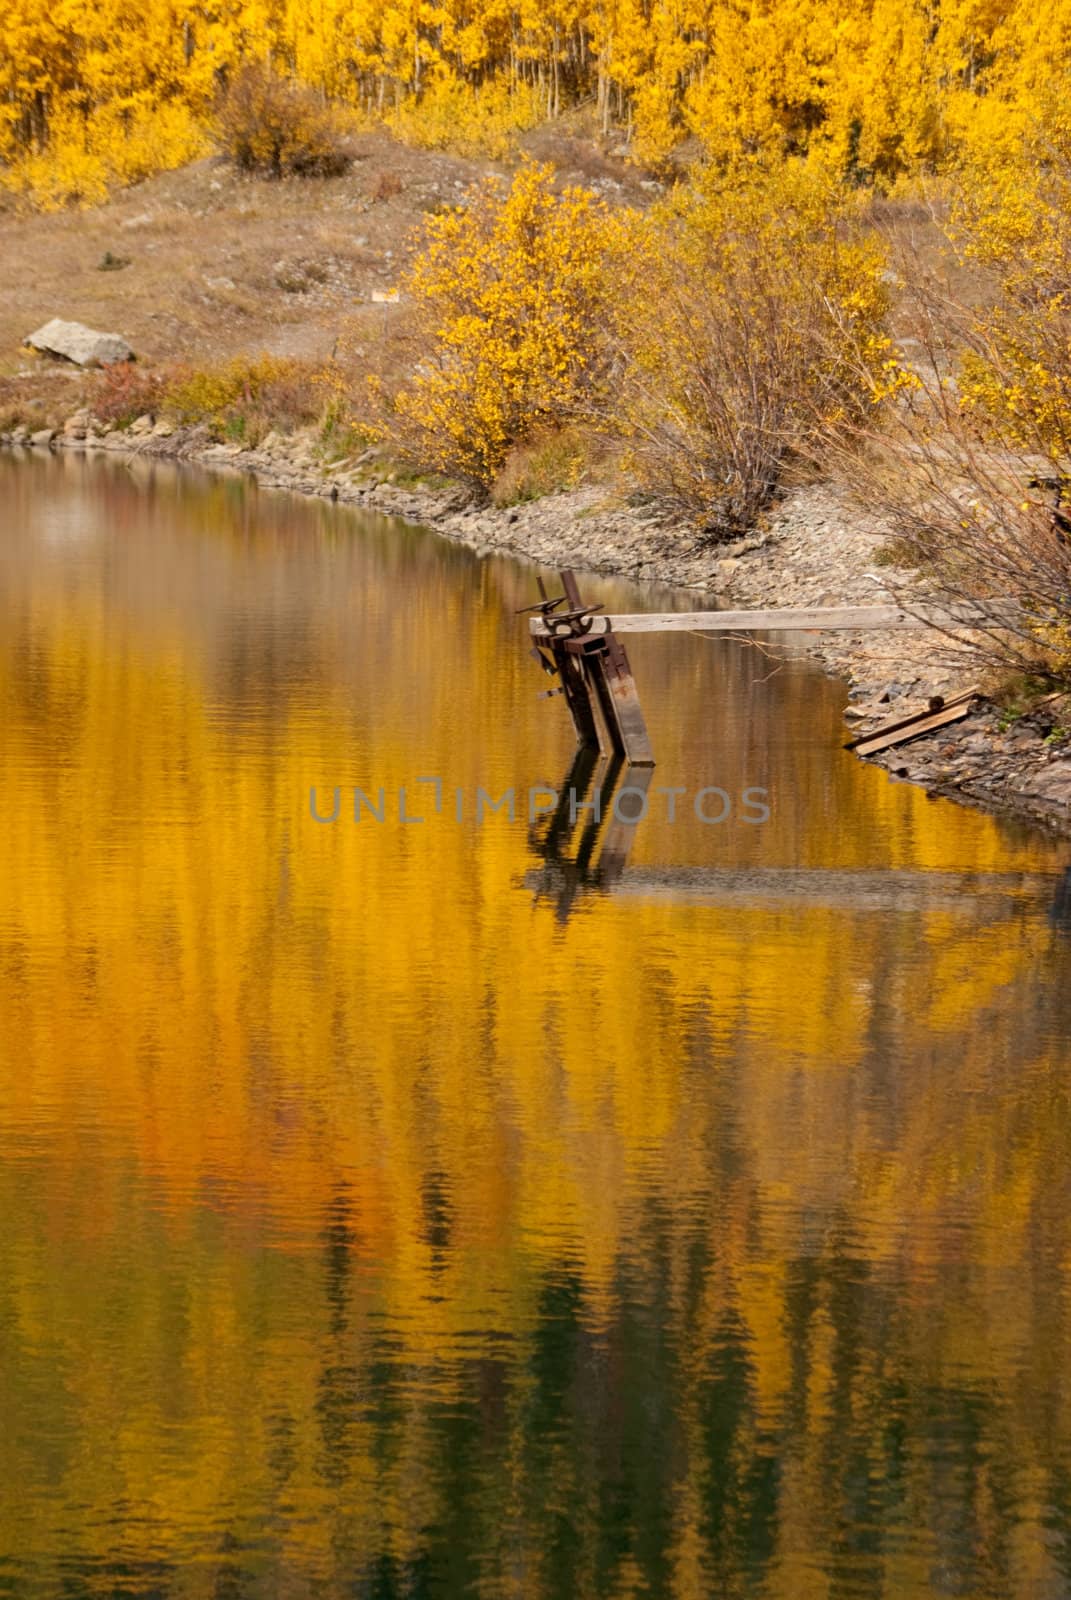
(86,156)
(227,397)
(509,295)
(1013,216)
(881,87)
(753,324)
(453,115)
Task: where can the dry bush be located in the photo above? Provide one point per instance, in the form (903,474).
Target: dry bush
(750,322)
(540,466)
(123,392)
(974,462)
(269,124)
(388,186)
(247,397)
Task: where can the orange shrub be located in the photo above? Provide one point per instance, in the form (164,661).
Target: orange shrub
(270,124)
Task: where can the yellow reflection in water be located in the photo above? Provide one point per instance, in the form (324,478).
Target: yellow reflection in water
(369,1221)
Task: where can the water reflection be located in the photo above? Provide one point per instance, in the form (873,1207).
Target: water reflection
(485,1209)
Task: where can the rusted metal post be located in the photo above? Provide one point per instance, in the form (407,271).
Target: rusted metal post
(576,695)
(606,666)
(596,678)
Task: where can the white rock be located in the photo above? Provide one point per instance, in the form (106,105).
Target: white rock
(73,341)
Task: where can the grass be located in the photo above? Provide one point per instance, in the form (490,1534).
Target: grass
(541,466)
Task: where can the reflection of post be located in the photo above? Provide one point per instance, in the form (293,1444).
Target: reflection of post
(1060,910)
(577,782)
(600,854)
(621,830)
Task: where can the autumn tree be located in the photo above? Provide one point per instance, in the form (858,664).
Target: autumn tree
(509,295)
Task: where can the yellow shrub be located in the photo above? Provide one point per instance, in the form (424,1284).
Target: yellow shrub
(509,297)
(269,389)
(1014,218)
(148,139)
(68,170)
(85,157)
(484,121)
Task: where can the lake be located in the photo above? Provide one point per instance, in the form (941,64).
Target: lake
(496,1205)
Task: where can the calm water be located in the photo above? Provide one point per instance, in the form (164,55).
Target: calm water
(451,1209)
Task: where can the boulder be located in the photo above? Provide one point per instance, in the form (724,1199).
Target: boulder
(72,341)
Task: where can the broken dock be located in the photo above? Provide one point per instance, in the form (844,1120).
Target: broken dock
(580,646)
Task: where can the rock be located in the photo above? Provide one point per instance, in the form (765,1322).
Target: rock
(163,429)
(20,434)
(43,437)
(72,341)
(142,424)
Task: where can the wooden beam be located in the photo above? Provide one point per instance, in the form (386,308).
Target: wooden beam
(816,619)
(889,738)
(625,705)
(905,728)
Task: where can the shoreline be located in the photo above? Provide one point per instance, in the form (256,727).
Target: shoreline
(816,549)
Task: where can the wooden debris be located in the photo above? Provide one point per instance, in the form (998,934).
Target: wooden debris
(939,714)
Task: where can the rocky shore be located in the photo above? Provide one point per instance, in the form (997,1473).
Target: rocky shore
(816,549)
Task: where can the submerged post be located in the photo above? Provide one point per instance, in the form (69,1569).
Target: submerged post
(596,678)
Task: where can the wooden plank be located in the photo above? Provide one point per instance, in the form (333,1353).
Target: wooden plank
(883,740)
(626,704)
(907,722)
(817,619)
